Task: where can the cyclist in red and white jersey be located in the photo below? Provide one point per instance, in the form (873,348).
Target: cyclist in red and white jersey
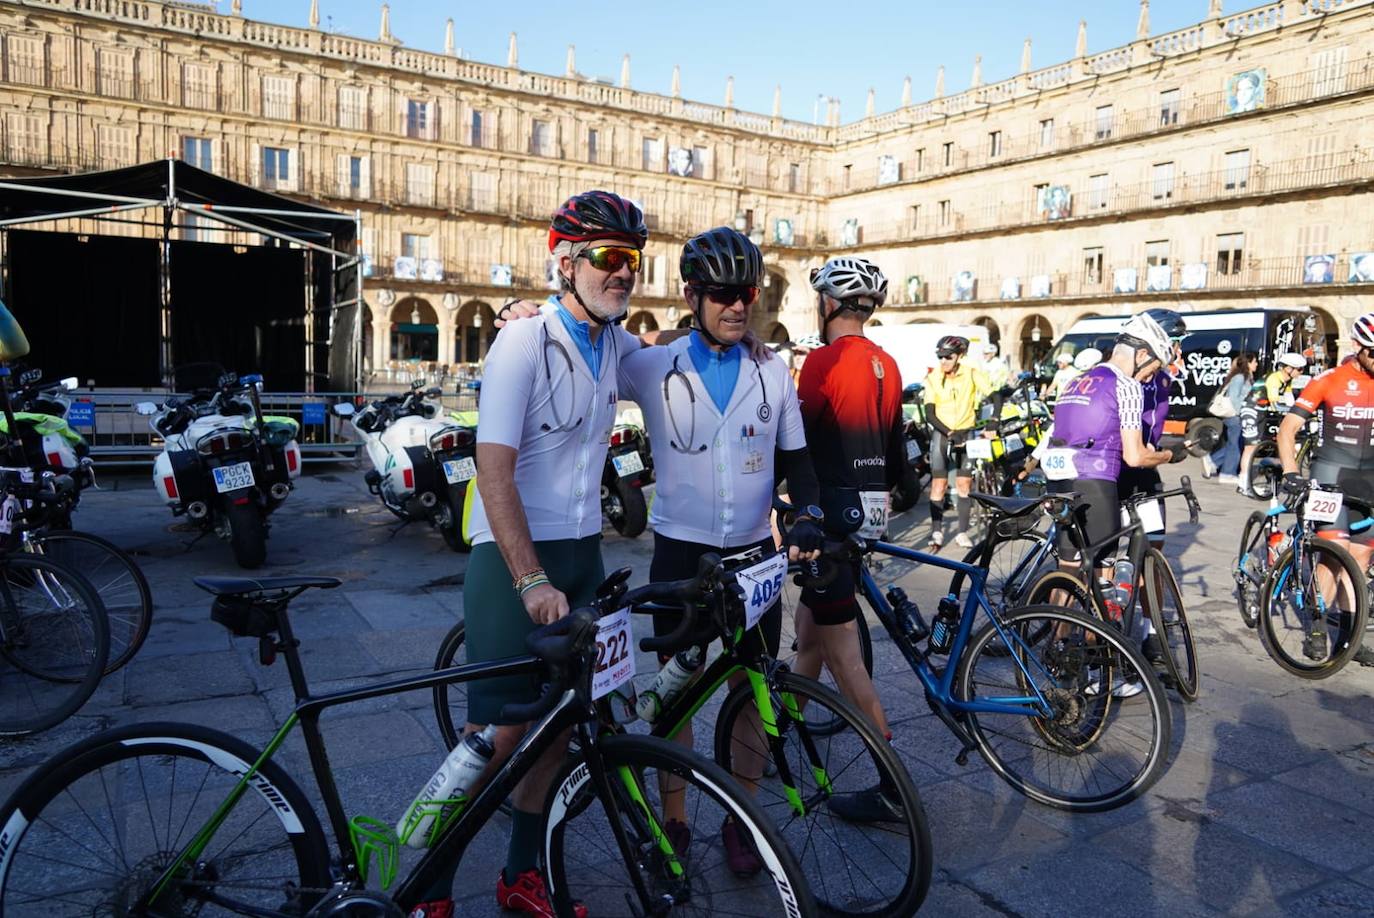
(1343,398)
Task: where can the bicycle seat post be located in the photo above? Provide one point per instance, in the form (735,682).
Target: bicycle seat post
(289,646)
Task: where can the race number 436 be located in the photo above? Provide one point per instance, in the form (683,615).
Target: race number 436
(615,658)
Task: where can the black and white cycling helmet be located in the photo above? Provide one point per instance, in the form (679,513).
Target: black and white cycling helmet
(951,345)
(856,282)
(1170,321)
(1142,331)
(1362,331)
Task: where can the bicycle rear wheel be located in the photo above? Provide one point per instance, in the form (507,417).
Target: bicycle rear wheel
(822,724)
(122,588)
(1164,602)
(1105,738)
(1011,568)
(54,643)
(1298,630)
(92,829)
(451,701)
(880,867)
(1252,568)
(683,867)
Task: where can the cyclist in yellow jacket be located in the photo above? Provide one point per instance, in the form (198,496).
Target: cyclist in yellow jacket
(953,391)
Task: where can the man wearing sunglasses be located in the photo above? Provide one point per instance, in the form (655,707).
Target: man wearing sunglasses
(715,417)
(953,392)
(1344,459)
(547,408)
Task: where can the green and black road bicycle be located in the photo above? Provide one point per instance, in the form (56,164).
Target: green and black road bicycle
(181,819)
(766,735)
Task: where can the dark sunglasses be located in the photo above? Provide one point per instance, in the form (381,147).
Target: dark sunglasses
(727,294)
(612,257)
(947,356)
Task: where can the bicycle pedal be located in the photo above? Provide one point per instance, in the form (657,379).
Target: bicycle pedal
(962,758)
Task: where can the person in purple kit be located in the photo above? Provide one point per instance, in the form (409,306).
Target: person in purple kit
(1099,430)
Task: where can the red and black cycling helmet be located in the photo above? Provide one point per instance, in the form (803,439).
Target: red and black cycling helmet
(596,215)
(951,344)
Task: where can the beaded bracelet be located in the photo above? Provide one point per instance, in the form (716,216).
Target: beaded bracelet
(538,581)
(530,577)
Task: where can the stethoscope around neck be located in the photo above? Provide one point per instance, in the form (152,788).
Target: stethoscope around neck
(764,411)
(563,425)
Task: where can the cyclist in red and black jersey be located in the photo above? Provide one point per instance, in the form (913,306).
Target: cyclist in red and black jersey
(851,405)
(1343,398)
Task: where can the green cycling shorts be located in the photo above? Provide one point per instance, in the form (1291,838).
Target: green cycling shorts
(497,622)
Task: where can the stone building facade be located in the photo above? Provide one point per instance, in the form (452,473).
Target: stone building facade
(1223,165)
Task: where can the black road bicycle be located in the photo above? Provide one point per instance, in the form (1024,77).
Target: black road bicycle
(181,819)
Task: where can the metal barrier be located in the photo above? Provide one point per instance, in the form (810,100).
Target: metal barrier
(121,437)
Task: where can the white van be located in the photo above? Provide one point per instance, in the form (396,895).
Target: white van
(913,346)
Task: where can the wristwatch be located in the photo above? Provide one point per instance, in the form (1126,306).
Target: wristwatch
(811,512)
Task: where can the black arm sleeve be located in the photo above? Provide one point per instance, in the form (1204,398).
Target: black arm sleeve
(897,469)
(803,489)
(934,421)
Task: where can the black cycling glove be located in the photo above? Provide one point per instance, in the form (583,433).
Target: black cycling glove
(1293,483)
(807,535)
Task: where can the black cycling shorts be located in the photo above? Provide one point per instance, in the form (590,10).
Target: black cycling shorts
(945,457)
(1353,483)
(836,603)
(675,559)
(1098,511)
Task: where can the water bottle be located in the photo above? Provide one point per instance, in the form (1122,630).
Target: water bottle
(454,778)
(909,618)
(1108,592)
(671,679)
(945,624)
(1123,582)
(1278,543)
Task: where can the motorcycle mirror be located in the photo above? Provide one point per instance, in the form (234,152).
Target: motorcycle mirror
(29,377)
(70,382)
(13,342)
(434,392)
(147,409)
(344,409)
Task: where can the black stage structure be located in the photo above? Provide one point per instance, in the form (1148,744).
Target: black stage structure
(277,293)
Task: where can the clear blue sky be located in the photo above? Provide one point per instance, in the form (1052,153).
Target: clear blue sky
(836,48)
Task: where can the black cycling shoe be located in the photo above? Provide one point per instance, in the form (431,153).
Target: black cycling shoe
(872,805)
(1364,656)
(1153,650)
(1314,646)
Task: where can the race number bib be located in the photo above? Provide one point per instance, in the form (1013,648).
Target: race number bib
(1150,515)
(762,585)
(1323,506)
(9,512)
(874,505)
(1058,464)
(913,450)
(615,658)
(1013,442)
(978,448)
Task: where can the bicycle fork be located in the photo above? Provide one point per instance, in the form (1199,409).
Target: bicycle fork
(763,701)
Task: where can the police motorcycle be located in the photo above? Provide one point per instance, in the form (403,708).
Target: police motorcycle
(422,464)
(44,441)
(916,444)
(224,464)
(629,467)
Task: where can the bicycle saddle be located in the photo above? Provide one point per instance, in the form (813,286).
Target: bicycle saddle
(238,586)
(1007,506)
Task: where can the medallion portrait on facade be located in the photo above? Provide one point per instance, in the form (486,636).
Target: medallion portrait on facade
(1054,202)
(915,289)
(849,231)
(1318,269)
(1362,268)
(1011,288)
(1245,91)
(680,162)
(964,284)
(783,233)
(502,276)
(889,171)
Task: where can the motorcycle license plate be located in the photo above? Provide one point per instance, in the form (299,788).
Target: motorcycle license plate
(458,471)
(913,451)
(233,477)
(627,463)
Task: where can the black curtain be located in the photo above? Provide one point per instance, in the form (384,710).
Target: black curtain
(89,306)
(244,310)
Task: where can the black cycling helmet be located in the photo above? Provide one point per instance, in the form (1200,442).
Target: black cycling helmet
(1170,321)
(721,256)
(951,344)
(595,215)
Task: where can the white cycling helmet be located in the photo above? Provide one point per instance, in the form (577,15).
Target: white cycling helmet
(857,282)
(1087,358)
(1142,331)
(1296,361)
(809,343)
(1063,358)
(1363,330)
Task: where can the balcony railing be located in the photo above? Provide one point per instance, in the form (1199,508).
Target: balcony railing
(1343,168)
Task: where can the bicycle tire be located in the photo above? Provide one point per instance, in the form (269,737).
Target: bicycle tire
(582,853)
(790,596)
(451,699)
(1349,629)
(47,608)
(1261,485)
(117,579)
(1170,618)
(1080,598)
(121,781)
(1084,719)
(1252,568)
(998,570)
(871,857)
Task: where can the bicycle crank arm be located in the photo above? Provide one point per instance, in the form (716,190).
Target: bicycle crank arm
(949,719)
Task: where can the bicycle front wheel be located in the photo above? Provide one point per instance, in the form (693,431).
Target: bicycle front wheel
(1299,630)
(1102,735)
(451,701)
(1252,568)
(92,830)
(843,801)
(1164,604)
(122,588)
(681,865)
(54,643)
(822,724)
